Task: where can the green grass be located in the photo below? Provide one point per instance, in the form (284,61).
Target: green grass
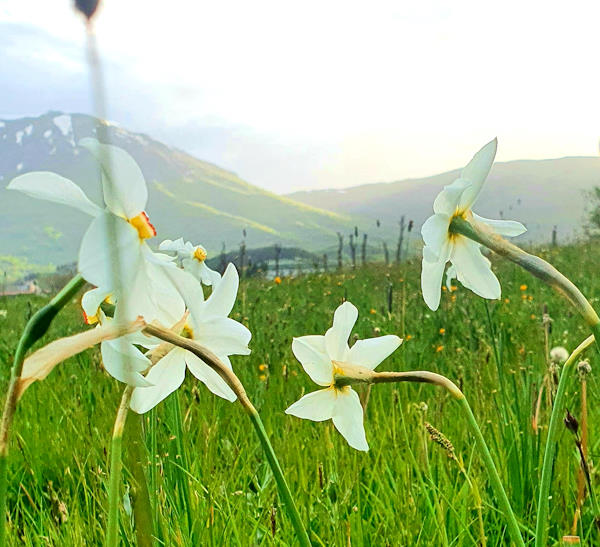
(404,491)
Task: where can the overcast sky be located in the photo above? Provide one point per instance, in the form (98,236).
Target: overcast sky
(325,93)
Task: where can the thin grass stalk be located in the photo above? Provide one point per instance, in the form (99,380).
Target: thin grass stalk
(426,488)
(584,448)
(234,383)
(541,530)
(152,418)
(106,178)
(116,467)
(35,328)
(182,467)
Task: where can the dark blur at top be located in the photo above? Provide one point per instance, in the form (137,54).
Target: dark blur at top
(87,7)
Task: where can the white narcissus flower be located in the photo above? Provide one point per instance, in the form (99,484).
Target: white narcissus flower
(142,288)
(208,324)
(192,259)
(324,356)
(468,263)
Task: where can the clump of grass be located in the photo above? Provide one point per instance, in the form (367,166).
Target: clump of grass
(393,494)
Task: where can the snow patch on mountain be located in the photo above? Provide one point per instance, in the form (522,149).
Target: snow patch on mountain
(63,122)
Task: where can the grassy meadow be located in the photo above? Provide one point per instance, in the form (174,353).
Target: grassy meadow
(212,486)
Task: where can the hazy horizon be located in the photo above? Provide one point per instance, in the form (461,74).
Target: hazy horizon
(320,96)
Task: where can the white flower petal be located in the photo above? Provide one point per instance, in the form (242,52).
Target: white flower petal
(221,301)
(189,289)
(207,276)
(507,228)
(313,356)
(476,172)
(100,258)
(125,191)
(201,272)
(209,377)
(336,338)
(223,336)
(91,300)
(53,187)
(372,351)
(125,362)
(348,418)
(177,246)
(159,259)
(167,375)
(152,295)
(435,232)
(432,272)
(473,269)
(450,275)
(316,406)
(447,201)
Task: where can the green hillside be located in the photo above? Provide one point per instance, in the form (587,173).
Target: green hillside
(196,199)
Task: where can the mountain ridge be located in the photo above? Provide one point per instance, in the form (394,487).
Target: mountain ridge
(541,193)
(187,196)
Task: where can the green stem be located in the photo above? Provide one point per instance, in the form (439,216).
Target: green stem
(136,457)
(484,235)
(234,383)
(153,463)
(116,465)
(513,526)
(541,530)
(36,327)
(284,490)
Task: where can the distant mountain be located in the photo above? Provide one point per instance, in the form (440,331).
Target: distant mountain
(540,193)
(187,197)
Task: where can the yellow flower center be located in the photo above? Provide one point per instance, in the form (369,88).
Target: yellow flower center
(200,254)
(142,224)
(90,319)
(187,332)
(337,371)
(93,319)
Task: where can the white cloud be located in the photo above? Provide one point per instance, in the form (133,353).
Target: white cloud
(374,90)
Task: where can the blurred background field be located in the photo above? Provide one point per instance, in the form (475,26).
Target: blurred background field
(404,491)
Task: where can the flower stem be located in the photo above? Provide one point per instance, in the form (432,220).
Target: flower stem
(541,529)
(355,374)
(513,526)
(234,383)
(36,327)
(284,490)
(136,457)
(484,235)
(116,465)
